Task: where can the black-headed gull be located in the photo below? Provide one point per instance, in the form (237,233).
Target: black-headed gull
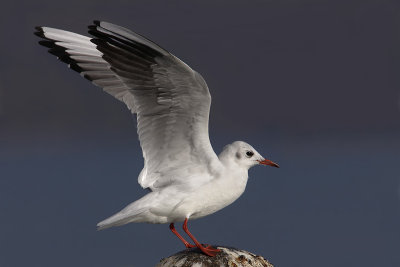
(172,104)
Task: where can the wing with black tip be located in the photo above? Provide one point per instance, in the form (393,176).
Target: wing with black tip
(172,102)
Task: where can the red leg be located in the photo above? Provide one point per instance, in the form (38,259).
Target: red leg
(209,250)
(173,230)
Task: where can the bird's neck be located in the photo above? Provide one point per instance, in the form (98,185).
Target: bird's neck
(231,164)
(234,169)
(235,178)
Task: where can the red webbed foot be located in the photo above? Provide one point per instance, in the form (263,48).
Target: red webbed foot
(209,250)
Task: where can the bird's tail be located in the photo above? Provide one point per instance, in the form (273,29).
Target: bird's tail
(131,213)
(115,220)
(138,211)
(119,219)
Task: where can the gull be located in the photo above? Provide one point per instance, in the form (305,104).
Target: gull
(184,176)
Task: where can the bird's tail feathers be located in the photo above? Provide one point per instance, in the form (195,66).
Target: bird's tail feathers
(121,218)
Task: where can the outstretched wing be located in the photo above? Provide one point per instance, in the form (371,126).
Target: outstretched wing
(172,102)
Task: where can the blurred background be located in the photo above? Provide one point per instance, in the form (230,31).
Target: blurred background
(312,85)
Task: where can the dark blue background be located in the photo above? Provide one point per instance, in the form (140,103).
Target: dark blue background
(312,85)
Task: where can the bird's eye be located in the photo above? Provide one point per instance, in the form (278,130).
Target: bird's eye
(249,154)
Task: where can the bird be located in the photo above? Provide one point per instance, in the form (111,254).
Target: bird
(185,178)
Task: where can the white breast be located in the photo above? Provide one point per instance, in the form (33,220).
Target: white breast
(214,195)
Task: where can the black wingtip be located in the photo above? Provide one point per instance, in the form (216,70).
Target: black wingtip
(48,44)
(39,34)
(39,31)
(96,22)
(75,67)
(97,41)
(92,27)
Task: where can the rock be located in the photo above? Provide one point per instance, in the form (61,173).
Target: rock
(231,257)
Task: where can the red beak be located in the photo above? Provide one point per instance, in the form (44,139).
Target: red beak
(268,162)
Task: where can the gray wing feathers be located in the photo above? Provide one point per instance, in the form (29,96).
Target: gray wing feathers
(172,101)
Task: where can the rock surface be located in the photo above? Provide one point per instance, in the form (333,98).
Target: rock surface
(231,257)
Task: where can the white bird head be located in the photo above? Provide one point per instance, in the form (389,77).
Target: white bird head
(243,155)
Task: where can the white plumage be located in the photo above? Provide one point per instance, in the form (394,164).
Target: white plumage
(172,103)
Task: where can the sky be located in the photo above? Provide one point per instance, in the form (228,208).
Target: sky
(312,85)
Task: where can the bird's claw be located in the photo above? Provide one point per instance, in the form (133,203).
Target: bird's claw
(188,245)
(204,247)
(209,250)
(212,248)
